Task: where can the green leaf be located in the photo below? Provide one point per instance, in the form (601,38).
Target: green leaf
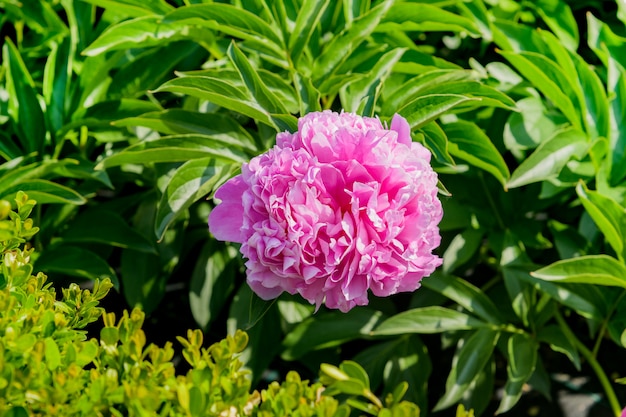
(550,157)
(575,296)
(467,141)
(361,96)
(52,354)
(559,342)
(212,281)
(24,108)
(143,282)
(106,227)
(134,8)
(176,149)
(590,269)
(560,19)
(436,141)
(522,355)
(191,181)
(231,20)
(608,215)
(472,356)
(308,18)
(220,127)
(329,329)
(219,92)
(530,126)
(427,108)
(150,69)
(255,85)
(404,16)
(414,87)
(466,295)
(427,320)
(140,32)
(258,318)
(44,192)
(461,249)
(76,262)
(343,45)
(548,77)
(57,73)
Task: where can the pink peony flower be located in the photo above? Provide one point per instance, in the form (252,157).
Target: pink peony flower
(338,208)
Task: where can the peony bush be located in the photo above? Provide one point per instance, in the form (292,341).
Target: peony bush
(340,207)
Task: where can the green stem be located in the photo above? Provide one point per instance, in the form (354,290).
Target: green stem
(587,354)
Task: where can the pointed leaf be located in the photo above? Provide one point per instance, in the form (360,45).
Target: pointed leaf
(106,227)
(590,269)
(550,157)
(76,262)
(329,329)
(466,295)
(471,358)
(308,18)
(522,355)
(255,85)
(44,192)
(467,141)
(24,109)
(608,215)
(427,108)
(427,320)
(191,181)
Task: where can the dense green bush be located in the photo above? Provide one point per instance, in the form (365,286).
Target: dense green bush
(521,104)
(48,365)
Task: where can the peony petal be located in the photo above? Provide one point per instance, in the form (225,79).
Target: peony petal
(226,220)
(400,125)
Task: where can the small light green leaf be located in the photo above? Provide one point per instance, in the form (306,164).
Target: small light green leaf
(467,141)
(106,227)
(76,262)
(52,354)
(550,157)
(426,320)
(191,181)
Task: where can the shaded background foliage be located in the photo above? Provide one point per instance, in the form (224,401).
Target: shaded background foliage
(121,116)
